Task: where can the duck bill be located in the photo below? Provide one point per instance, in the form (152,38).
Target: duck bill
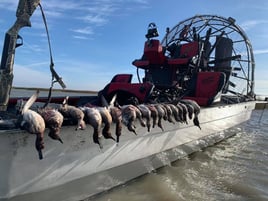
(54,134)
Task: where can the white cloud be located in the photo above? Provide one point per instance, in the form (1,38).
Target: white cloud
(86,30)
(94,19)
(81,37)
(53,13)
(58,5)
(252,23)
(264,51)
(92,14)
(103,8)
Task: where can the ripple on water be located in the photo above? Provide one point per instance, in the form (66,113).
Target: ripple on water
(235,169)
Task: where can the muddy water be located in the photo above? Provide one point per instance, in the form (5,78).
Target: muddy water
(235,169)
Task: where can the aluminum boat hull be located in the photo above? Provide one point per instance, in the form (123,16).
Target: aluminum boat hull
(78,168)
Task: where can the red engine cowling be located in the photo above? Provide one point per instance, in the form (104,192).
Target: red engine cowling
(126,91)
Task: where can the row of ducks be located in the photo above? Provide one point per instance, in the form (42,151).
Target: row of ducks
(101,118)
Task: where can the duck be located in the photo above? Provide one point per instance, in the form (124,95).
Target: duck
(146,114)
(185,112)
(196,110)
(138,115)
(116,115)
(175,112)
(128,117)
(190,109)
(117,119)
(168,112)
(93,118)
(107,121)
(154,113)
(129,114)
(161,115)
(74,113)
(53,120)
(32,122)
(180,113)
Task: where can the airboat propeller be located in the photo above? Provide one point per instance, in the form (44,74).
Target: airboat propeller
(225,48)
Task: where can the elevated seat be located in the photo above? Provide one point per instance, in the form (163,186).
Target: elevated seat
(205,87)
(184,53)
(153,54)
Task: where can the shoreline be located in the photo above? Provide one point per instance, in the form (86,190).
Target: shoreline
(56,90)
(24,92)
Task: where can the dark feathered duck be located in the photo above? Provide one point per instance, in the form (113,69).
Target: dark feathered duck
(117,119)
(175,112)
(190,110)
(129,114)
(146,114)
(139,116)
(185,111)
(154,113)
(168,112)
(53,119)
(180,113)
(128,117)
(161,115)
(196,110)
(74,113)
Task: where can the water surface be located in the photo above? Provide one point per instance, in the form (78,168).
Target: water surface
(234,169)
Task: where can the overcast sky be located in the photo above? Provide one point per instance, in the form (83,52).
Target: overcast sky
(92,40)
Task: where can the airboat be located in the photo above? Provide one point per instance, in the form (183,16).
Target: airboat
(206,58)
